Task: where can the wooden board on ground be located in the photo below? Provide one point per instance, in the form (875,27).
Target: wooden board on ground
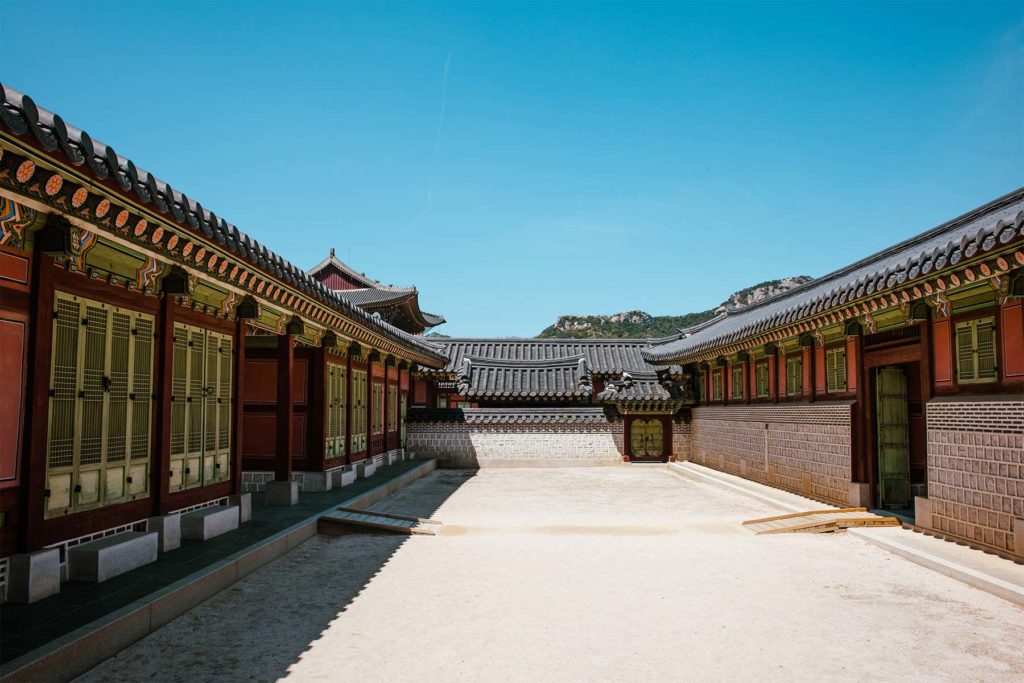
(818,521)
(349,520)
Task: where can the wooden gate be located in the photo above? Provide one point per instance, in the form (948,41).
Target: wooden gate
(646,439)
(893,439)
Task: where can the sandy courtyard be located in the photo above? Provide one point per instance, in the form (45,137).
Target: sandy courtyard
(615,573)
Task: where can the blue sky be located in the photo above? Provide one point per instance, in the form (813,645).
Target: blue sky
(521,161)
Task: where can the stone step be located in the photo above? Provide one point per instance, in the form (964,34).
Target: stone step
(105,558)
(209,522)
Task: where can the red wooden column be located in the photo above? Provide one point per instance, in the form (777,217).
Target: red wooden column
(40,339)
(160,466)
(285,407)
(237,411)
(317,411)
(349,399)
(389,361)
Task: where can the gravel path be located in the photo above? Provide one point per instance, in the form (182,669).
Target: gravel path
(617,573)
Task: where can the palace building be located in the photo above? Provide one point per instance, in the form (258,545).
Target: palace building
(895,383)
(159,361)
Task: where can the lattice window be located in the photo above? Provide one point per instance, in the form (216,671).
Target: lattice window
(761,379)
(835,370)
(336,408)
(404,412)
(98,437)
(976,351)
(737,381)
(794,376)
(378,408)
(359,389)
(392,408)
(200,407)
(716,385)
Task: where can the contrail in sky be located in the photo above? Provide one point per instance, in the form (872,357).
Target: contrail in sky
(437,146)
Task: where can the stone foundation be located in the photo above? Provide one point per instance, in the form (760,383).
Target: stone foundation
(804,448)
(976,471)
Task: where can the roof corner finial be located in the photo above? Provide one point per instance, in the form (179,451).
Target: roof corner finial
(332,252)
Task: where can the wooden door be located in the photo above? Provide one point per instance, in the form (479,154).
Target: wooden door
(893,438)
(645,439)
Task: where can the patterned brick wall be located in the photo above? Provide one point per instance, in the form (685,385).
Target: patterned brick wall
(516,445)
(976,471)
(681,440)
(804,448)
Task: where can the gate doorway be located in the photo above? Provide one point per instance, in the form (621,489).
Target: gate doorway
(893,438)
(646,439)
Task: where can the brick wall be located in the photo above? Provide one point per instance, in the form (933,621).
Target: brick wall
(804,447)
(681,440)
(460,444)
(976,471)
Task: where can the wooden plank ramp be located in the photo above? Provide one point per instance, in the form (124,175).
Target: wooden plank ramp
(349,520)
(818,521)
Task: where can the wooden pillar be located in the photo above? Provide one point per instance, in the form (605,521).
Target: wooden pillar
(160,467)
(349,400)
(237,408)
(318,410)
(386,413)
(285,407)
(40,339)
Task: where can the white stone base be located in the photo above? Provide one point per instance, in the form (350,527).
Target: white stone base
(365,468)
(209,522)
(316,482)
(33,576)
(243,502)
(105,558)
(281,493)
(342,476)
(168,530)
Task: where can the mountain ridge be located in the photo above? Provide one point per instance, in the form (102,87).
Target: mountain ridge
(637,324)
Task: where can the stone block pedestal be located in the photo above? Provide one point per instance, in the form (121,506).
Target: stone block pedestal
(209,522)
(922,512)
(33,576)
(316,482)
(111,556)
(860,495)
(243,502)
(168,531)
(279,493)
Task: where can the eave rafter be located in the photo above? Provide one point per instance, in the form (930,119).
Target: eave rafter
(31,177)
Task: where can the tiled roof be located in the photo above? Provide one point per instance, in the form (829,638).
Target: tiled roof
(564,378)
(503,416)
(21,116)
(362,297)
(641,386)
(604,356)
(343,267)
(979,231)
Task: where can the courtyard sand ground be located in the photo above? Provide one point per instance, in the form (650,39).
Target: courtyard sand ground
(615,573)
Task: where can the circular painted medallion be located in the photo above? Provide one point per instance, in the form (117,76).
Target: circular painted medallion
(122,218)
(140,227)
(54,184)
(172,242)
(158,234)
(212,262)
(187,249)
(234,273)
(103,208)
(80,197)
(200,255)
(223,267)
(25,171)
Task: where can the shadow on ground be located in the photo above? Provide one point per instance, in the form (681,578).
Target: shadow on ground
(259,627)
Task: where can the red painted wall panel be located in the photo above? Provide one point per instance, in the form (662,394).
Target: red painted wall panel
(260,380)
(819,370)
(259,434)
(852,368)
(1012,332)
(13,338)
(942,345)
